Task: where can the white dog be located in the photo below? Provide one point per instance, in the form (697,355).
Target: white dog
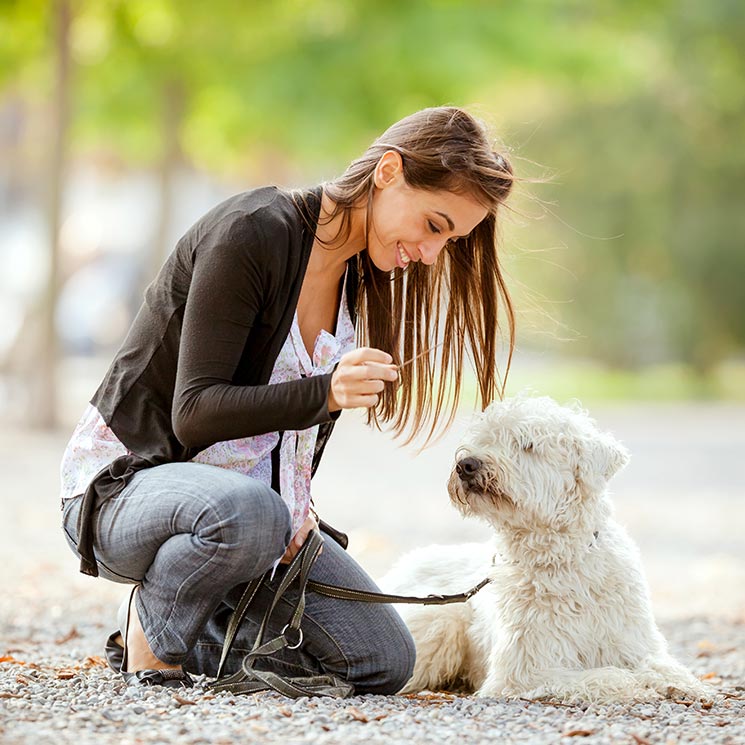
(567,613)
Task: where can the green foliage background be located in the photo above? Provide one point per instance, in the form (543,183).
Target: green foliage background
(634,110)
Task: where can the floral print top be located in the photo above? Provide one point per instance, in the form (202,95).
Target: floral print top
(93,444)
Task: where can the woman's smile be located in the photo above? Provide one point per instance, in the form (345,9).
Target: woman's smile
(402,258)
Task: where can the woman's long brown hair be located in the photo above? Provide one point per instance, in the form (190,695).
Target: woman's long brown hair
(462,296)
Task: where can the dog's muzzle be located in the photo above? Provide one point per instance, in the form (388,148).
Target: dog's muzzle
(468,469)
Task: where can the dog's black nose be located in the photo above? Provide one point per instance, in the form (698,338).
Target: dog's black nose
(467,468)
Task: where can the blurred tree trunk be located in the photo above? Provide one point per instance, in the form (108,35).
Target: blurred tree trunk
(172,116)
(43,404)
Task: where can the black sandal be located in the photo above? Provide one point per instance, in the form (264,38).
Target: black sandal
(116,656)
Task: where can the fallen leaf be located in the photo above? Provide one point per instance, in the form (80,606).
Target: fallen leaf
(181,701)
(71,634)
(435,698)
(639,740)
(65,673)
(95,662)
(547,703)
(356,714)
(707,705)
(13,661)
(708,676)
(722,723)
(285,712)
(22,679)
(579,733)
(7,694)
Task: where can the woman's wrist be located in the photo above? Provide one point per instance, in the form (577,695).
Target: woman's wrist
(333,406)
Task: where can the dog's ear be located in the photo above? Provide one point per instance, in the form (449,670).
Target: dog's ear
(600,458)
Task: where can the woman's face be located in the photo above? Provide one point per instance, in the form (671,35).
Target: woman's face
(411,224)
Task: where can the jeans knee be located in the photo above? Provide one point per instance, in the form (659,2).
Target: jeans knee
(403,667)
(249,519)
(393,665)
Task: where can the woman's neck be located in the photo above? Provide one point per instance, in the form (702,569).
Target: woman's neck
(330,250)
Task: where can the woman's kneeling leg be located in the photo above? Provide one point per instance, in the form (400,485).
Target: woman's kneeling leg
(366,644)
(187,533)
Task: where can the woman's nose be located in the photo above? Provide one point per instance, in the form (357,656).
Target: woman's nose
(430,250)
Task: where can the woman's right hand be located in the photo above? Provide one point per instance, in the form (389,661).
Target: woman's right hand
(360,377)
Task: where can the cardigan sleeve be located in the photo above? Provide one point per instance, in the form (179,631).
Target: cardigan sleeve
(225,299)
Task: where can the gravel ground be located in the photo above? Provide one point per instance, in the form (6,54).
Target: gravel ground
(684,507)
(55,688)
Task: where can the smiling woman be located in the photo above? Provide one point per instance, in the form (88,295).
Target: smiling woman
(431,184)
(189,474)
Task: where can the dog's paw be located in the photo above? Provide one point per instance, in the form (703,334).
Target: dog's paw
(489,691)
(693,690)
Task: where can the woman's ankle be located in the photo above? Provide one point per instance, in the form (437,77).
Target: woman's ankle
(139,656)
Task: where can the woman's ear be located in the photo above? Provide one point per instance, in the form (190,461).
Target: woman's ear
(390,167)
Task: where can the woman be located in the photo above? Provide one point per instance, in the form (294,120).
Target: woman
(189,474)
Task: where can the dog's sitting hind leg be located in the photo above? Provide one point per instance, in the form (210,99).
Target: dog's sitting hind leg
(442,645)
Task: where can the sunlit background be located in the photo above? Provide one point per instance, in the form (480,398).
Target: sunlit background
(122,121)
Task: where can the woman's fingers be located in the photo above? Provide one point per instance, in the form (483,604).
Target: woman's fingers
(372,371)
(360,377)
(368,354)
(299,539)
(292,552)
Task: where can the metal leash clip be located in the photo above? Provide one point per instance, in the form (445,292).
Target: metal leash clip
(300,636)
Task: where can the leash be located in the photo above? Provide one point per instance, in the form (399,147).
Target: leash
(249,680)
(347,593)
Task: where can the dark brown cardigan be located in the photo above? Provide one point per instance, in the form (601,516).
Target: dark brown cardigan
(195,365)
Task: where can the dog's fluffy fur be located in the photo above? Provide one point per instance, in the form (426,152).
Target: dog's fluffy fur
(567,614)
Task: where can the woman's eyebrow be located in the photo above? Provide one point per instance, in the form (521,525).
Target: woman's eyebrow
(450,223)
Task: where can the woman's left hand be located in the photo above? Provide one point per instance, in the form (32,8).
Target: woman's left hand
(299,538)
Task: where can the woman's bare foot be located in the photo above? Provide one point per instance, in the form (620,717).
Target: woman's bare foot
(139,654)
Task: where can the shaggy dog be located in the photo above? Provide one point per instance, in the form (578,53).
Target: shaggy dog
(566,614)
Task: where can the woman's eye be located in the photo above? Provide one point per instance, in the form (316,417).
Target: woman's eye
(433,227)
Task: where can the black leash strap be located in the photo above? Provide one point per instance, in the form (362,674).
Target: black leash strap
(347,593)
(249,680)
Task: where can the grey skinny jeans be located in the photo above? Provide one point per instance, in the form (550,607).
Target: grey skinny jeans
(191,535)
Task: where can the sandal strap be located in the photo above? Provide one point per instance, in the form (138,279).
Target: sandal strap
(159,677)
